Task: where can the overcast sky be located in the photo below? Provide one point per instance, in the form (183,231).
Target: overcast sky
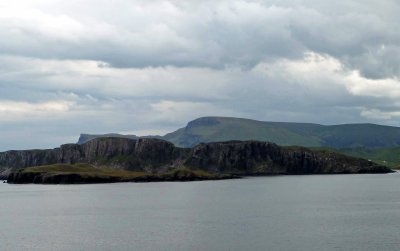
(148,67)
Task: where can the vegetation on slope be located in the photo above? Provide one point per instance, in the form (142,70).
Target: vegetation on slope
(86,173)
(217,129)
(206,130)
(83,169)
(158,160)
(389,157)
(214,129)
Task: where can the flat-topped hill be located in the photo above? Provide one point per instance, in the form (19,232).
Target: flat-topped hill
(213,129)
(216,129)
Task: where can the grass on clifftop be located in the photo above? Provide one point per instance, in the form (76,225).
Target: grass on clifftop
(84,169)
(87,170)
(389,157)
(184,172)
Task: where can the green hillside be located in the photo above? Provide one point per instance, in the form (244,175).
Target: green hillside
(223,129)
(385,156)
(378,143)
(81,173)
(210,129)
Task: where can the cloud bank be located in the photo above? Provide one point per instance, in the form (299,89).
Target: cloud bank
(151,66)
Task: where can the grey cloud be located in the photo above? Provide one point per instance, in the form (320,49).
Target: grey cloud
(380,62)
(144,66)
(207,34)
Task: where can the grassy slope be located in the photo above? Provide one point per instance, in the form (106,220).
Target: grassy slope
(380,144)
(351,139)
(326,152)
(87,170)
(240,129)
(212,129)
(389,157)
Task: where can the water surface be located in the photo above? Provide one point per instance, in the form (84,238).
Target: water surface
(318,212)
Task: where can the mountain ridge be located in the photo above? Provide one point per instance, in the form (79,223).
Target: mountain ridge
(213,129)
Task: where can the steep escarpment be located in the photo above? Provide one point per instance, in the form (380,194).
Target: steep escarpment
(254,157)
(13,160)
(142,154)
(158,156)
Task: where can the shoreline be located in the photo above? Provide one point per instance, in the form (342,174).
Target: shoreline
(77,179)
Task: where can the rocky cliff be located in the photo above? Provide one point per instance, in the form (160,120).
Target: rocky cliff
(157,156)
(142,154)
(255,157)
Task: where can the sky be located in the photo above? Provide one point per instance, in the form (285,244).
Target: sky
(148,66)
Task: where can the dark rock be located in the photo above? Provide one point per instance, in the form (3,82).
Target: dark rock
(21,177)
(158,157)
(139,155)
(254,157)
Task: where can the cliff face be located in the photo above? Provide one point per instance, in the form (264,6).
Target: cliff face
(153,155)
(13,160)
(142,154)
(253,157)
(236,157)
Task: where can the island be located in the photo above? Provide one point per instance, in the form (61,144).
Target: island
(146,159)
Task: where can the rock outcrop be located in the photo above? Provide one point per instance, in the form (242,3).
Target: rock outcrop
(140,155)
(158,156)
(255,157)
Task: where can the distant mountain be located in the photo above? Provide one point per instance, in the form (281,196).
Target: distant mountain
(211,129)
(217,129)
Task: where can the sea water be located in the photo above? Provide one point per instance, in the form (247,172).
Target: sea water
(310,212)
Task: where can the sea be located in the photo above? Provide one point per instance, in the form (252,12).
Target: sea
(305,212)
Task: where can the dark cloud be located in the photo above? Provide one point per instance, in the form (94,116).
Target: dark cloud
(150,66)
(202,34)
